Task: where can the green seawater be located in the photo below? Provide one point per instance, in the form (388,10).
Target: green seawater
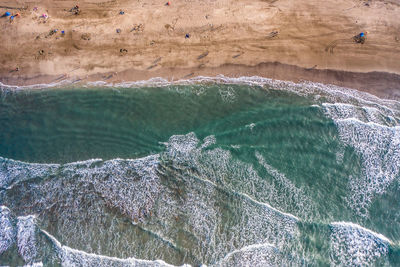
(207,173)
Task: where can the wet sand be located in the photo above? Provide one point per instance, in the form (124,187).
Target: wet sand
(286,40)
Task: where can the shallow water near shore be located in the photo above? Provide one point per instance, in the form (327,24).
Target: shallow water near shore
(215,171)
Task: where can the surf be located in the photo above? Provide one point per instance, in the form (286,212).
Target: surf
(212,170)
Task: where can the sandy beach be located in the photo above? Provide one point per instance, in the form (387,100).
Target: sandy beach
(286,40)
(220,133)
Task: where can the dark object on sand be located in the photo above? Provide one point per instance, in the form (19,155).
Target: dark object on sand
(75,10)
(86,36)
(138,28)
(7,14)
(273,34)
(118,30)
(41,52)
(188,75)
(52,32)
(121,12)
(168,3)
(157,60)
(202,55)
(16,69)
(187,36)
(152,66)
(360,38)
(123,50)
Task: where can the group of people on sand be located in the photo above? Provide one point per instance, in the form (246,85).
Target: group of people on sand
(12,17)
(359,38)
(75,10)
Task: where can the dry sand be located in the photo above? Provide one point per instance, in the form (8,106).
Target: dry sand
(280,39)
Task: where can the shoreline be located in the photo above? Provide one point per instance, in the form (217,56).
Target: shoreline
(381,84)
(284,40)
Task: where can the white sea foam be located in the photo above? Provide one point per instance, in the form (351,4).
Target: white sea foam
(341,111)
(375,137)
(227,94)
(250,126)
(210,178)
(353,245)
(74,257)
(195,189)
(7,231)
(255,255)
(208,141)
(203,179)
(248,248)
(13,171)
(79,194)
(130,185)
(203,175)
(35,86)
(186,150)
(35,264)
(333,92)
(26,238)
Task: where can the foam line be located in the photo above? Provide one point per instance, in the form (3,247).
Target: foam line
(269,206)
(243,195)
(300,195)
(338,111)
(35,86)
(36,264)
(67,254)
(248,248)
(370,123)
(359,227)
(158,236)
(13,171)
(305,87)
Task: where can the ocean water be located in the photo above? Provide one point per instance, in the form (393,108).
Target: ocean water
(209,171)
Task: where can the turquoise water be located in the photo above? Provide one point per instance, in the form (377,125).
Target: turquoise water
(221,174)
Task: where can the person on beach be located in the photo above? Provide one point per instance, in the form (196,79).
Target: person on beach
(360,38)
(75,10)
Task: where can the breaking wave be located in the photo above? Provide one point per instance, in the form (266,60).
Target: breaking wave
(81,193)
(375,137)
(353,245)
